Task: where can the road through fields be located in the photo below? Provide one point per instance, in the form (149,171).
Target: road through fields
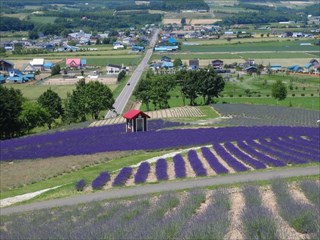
(166,186)
(127,91)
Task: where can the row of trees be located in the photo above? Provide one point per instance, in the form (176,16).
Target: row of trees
(18,116)
(155,89)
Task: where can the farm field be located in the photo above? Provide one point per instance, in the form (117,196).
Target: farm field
(280,46)
(281,209)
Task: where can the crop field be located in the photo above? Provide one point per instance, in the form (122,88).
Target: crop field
(229,157)
(280,210)
(280,46)
(263,115)
(67,143)
(42,19)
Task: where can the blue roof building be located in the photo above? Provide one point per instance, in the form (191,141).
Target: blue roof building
(172,41)
(295,68)
(275,67)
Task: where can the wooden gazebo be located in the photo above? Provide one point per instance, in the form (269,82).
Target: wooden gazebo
(136,121)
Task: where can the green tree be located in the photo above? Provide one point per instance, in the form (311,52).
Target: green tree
(33,34)
(143,91)
(99,97)
(51,101)
(89,98)
(32,115)
(177,63)
(279,90)
(56,69)
(210,84)
(121,75)
(10,109)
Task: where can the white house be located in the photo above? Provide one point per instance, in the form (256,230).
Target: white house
(37,63)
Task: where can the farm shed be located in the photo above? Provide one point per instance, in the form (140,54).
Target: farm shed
(275,67)
(5,65)
(28,68)
(217,63)
(295,68)
(166,59)
(194,64)
(37,63)
(136,121)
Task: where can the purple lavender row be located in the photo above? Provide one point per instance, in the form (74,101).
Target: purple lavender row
(243,157)
(101,180)
(142,173)
(196,164)
(306,145)
(275,153)
(179,166)
(161,169)
(311,143)
(298,150)
(122,177)
(230,160)
(303,158)
(213,161)
(298,145)
(262,157)
(88,141)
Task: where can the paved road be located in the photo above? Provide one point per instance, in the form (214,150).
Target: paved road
(165,186)
(126,93)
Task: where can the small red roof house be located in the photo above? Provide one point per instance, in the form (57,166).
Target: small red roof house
(73,62)
(136,121)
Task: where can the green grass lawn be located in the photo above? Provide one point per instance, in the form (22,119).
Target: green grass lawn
(32,92)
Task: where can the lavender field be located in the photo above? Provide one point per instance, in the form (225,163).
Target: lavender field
(114,138)
(281,210)
(260,115)
(229,157)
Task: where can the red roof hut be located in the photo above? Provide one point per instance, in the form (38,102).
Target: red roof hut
(136,121)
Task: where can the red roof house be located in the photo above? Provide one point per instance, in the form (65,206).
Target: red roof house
(136,121)
(73,62)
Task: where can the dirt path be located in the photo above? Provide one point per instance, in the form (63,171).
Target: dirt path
(166,186)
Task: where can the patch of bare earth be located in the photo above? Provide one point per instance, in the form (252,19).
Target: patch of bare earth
(30,171)
(130,181)
(189,170)
(171,171)
(297,193)
(286,232)
(152,174)
(237,205)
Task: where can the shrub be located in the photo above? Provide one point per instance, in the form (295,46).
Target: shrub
(240,95)
(80,185)
(302,94)
(231,95)
(268,95)
(293,95)
(311,94)
(101,180)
